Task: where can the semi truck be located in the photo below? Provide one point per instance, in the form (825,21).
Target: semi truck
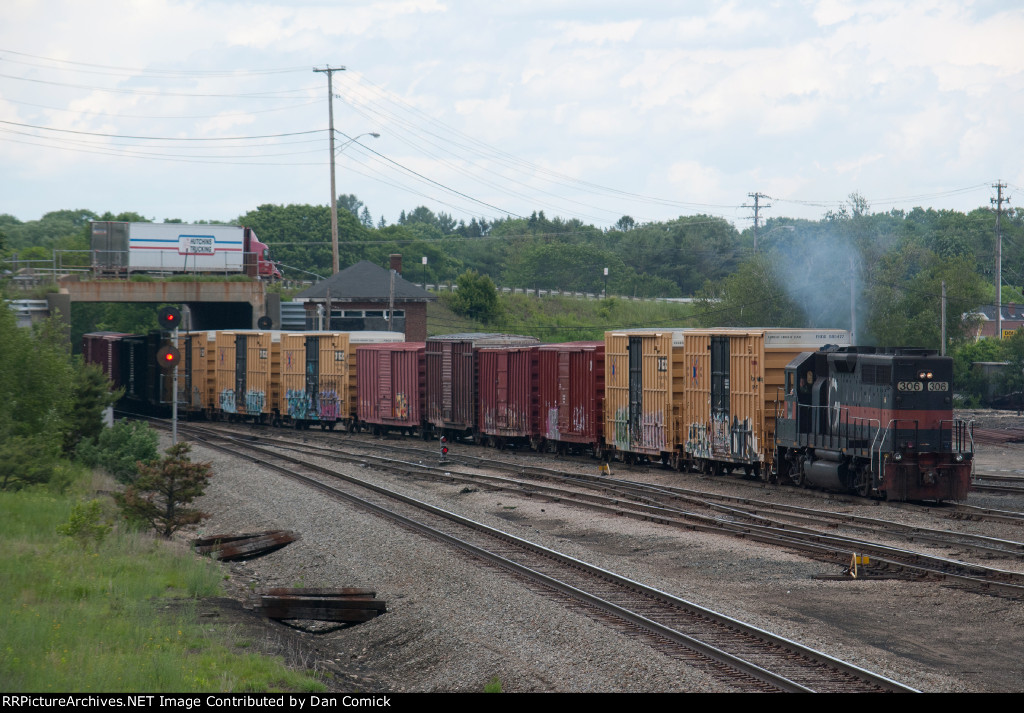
(169,248)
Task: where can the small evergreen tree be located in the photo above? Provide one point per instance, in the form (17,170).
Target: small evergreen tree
(90,397)
(162,490)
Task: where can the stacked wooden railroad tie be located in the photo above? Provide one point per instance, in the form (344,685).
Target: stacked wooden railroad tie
(345,604)
(244,546)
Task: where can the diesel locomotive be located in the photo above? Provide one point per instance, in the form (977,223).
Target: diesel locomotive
(877,422)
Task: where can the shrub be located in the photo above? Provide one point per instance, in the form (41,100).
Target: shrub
(120,449)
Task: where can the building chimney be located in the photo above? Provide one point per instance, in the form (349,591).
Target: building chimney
(396,262)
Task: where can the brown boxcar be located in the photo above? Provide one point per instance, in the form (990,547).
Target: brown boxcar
(643,391)
(734,380)
(246,382)
(507,394)
(391,386)
(104,350)
(570,395)
(452,378)
(350,409)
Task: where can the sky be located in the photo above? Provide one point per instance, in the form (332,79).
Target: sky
(204,110)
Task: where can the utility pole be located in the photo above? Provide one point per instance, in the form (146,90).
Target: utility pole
(942,351)
(998,201)
(757,197)
(334,192)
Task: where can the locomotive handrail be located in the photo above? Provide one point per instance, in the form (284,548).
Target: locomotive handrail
(958,429)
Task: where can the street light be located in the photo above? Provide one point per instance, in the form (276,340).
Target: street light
(424,272)
(334,193)
(606,283)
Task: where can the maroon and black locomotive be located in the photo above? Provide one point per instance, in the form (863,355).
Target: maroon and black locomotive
(873,421)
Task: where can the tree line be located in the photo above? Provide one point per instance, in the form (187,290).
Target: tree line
(880,273)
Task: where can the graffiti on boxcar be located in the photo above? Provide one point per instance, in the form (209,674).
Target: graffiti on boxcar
(505,421)
(579,420)
(551,431)
(698,442)
(720,434)
(197,397)
(744,441)
(227,401)
(330,405)
(718,441)
(401,406)
(300,406)
(254,402)
(651,436)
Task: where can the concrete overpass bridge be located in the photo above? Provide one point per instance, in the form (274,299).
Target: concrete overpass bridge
(213,305)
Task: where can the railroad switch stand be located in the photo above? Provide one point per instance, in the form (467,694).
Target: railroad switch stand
(857,561)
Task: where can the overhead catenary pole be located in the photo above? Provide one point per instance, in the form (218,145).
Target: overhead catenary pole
(329,70)
(998,201)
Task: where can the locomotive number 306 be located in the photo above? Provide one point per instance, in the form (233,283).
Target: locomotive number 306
(919,386)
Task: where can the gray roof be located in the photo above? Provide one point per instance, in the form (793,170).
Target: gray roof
(364,282)
(1011,312)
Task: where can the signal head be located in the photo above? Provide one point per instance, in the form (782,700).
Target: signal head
(168,357)
(169,317)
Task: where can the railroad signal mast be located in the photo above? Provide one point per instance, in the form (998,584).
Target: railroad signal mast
(444,449)
(168,358)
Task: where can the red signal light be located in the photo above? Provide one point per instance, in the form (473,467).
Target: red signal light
(168,357)
(444,446)
(169,317)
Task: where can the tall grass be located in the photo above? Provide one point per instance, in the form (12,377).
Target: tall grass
(118,616)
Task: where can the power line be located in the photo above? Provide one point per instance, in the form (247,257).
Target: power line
(163,138)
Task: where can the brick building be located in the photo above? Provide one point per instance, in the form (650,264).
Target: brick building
(360,296)
(983,320)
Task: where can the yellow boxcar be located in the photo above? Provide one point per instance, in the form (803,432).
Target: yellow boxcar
(199,392)
(314,378)
(644,378)
(734,379)
(247,365)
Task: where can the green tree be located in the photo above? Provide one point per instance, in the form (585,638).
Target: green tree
(476,297)
(36,380)
(162,492)
(751,297)
(90,397)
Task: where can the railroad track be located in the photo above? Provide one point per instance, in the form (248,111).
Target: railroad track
(743,657)
(768,523)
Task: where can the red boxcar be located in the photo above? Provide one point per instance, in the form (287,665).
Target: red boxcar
(570,395)
(104,349)
(390,380)
(507,394)
(452,378)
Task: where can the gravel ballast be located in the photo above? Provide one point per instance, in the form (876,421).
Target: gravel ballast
(454,625)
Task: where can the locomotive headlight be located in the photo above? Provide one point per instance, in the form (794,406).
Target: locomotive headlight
(928,375)
(897,456)
(959,458)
